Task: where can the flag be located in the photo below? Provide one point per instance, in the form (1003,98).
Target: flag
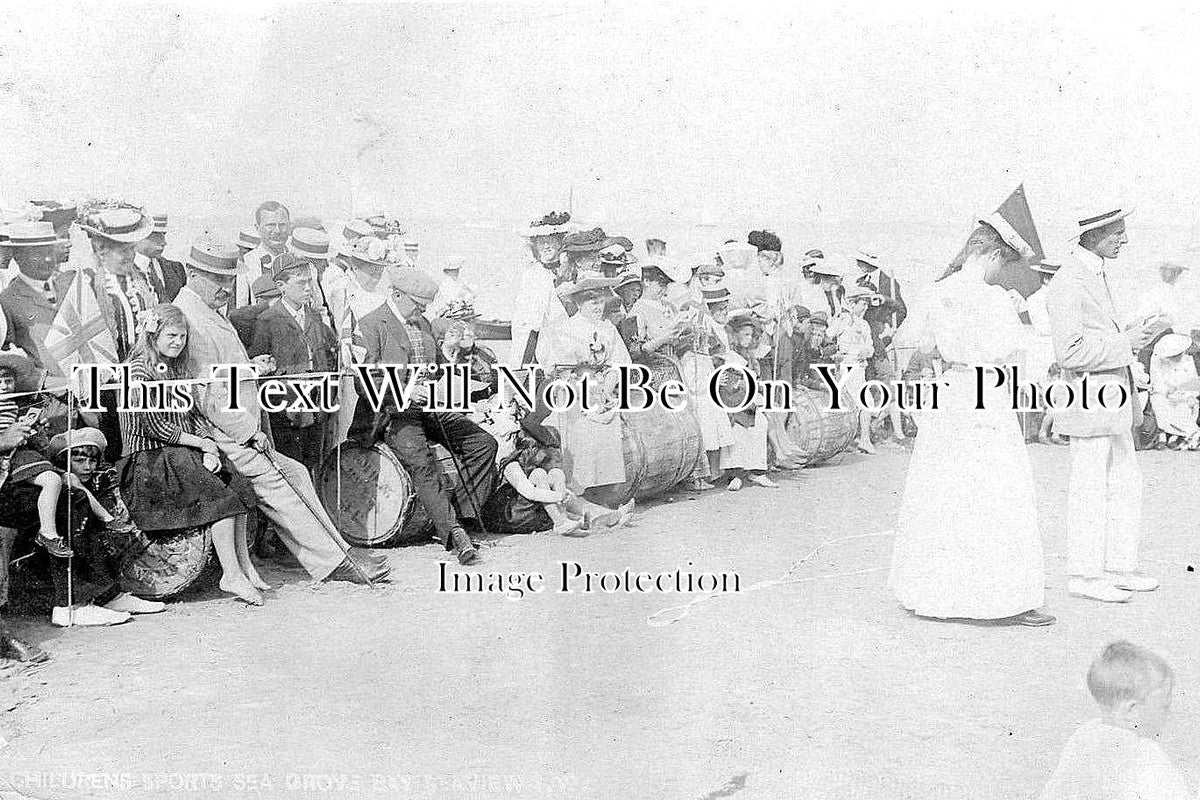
(79,334)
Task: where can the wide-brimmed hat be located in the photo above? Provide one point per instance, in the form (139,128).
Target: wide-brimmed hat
(248,239)
(75,439)
(616,256)
(1087,221)
(1172,344)
(56,213)
(214,256)
(309,243)
(356,229)
(385,225)
(374,251)
(709,268)
(117,222)
(31,234)
(674,271)
(592,241)
(556,223)
(717,294)
(870,258)
(460,309)
(586,283)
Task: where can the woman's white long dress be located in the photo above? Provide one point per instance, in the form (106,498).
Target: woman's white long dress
(967,540)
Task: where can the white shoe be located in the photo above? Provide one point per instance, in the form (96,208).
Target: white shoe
(735,485)
(764,481)
(1098,590)
(1131,581)
(134,605)
(86,616)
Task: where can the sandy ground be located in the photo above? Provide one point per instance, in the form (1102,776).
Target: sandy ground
(815,689)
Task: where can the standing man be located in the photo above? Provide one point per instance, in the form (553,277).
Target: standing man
(283,487)
(884,318)
(274,223)
(1104,504)
(166,277)
(297,338)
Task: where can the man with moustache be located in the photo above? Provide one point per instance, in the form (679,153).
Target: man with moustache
(274,223)
(1105,493)
(283,487)
(166,277)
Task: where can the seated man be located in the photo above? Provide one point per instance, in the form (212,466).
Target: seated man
(283,487)
(398,333)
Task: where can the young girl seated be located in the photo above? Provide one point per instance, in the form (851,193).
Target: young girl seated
(25,465)
(533,496)
(1175,391)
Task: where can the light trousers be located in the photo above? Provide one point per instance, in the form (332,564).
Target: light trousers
(1104,506)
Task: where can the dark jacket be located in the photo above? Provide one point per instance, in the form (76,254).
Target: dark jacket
(276,333)
(30,316)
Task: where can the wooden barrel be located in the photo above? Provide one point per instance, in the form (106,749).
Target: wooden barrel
(164,564)
(377,505)
(661,450)
(816,433)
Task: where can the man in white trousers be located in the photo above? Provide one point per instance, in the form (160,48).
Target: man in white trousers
(1104,505)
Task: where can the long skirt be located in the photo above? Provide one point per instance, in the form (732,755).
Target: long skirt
(169,488)
(715,430)
(967,541)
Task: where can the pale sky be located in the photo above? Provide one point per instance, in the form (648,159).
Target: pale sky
(657,111)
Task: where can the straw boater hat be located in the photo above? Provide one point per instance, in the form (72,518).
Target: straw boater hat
(77,438)
(453,263)
(248,239)
(1047,266)
(717,294)
(31,234)
(1172,344)
(117,222)
(856,292)
(556,223)
(159,222)
(823,266)
(1090,221)
(309,244)
(210,254)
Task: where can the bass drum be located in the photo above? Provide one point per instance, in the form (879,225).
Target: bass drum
(816,433)
(375,505)
(164,564)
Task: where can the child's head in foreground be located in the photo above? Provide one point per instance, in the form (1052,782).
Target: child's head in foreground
(1133,687)
(8,379)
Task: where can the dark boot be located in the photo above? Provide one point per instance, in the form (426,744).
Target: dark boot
(17,650)
(463,547)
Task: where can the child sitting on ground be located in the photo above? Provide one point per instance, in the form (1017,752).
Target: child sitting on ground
(1116,756)
(532,496)
(25,465)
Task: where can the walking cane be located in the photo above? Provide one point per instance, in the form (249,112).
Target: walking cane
(333,534)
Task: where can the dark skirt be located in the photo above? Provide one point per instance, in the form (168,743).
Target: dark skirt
(507,511)
(169,489)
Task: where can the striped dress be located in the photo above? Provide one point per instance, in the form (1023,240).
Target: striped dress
(165,484)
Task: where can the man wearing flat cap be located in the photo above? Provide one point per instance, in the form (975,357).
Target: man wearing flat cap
(283,487)
(298,339)
(397,333)
(1104,504)
(166,277)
